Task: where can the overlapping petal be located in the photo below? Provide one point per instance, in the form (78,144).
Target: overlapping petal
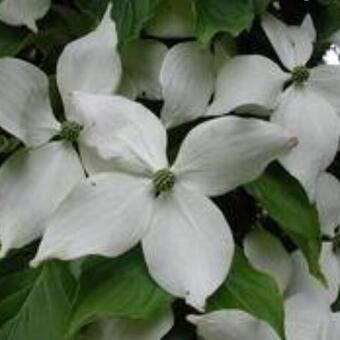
(221,154)
(90,64)
(105,215)
(293,44)
(305,319)
(123,131)
(32,185)
(314,122)
(328,203)
(25,109)
(267,254)
(249,83)
(189,246)
(232,325)
(324,80)
(330,266)
(187,78)
(23,12)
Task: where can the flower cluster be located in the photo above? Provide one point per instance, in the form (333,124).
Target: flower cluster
(101,180)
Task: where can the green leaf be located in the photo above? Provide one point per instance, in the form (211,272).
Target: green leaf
(117,288)
(328,19)
(251,291)
(287,203)
(231,16)
(130,16)
(12,40)
(36,304)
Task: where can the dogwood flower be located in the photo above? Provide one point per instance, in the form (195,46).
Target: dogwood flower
(307,314)
(266,253)
(231,325)
(188,76)
(34,181)
(306,317)
(328,202)
(307,306)
(307,107)
(187,243)
(23,12)
(188,73)
(123,329)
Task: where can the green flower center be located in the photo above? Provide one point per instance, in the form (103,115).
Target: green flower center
(163,181)
(70,131)
(300,75)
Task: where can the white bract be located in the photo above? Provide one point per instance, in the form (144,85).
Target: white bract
(266,253)
(307,306)
(187,77)
(188,73)
(307,314)
(123,329)
(34,181)
(187,243)
(232,325)
(23,12)
(308,107)
(328,204)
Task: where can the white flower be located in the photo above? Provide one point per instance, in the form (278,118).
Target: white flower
(308,106)
(188,73)
(34,181)
(187,77)
(23,12)
(307,307)
(328,204)
(123,329)
(232,325)
(307,314)
(187,243)
(266,253)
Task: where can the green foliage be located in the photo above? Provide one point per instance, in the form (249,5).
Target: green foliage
(130,16)
(117,288)
(287,203)
(231,16)
(251,291)
(328,18)
(12,40)
(36,304)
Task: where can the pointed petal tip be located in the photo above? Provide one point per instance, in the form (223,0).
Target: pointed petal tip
(193,319)
(3,252)
(35,263)
(198,303)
